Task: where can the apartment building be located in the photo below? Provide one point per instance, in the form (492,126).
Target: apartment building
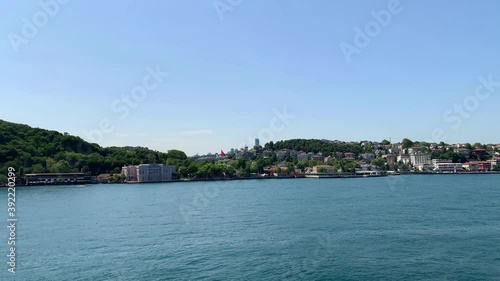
(420,159)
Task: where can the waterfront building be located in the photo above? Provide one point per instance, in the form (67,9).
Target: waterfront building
(57,178)
(281,172)
(479,166)
(103,178)
(420,159)
(148,173)
(130,173)
(425,167)
(435,162)
(448,167)
(322,169)
(276,171)
(362,172)
(470,166)
(494,162)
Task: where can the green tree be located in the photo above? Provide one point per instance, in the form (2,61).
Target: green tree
(478,145)
(406,143)
(300,165)
(38,168)
(204,171)
(229,171)
(50,163)
(385,142)
(192,169)
(274,158)
(61,167)
(177,154)
(379,162)
(254,167)
(183,172)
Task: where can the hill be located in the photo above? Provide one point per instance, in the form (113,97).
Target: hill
(39,151)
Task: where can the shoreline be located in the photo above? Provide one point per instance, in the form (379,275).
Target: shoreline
(347,176)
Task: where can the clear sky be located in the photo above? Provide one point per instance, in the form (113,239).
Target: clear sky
(229,70)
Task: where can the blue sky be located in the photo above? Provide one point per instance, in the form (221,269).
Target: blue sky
(228,75)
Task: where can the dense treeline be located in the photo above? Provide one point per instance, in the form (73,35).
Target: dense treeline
(314,145)
(34,150)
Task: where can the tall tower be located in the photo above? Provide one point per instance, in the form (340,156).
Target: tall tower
(257,142)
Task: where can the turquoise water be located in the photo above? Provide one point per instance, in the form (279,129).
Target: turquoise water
(397,228)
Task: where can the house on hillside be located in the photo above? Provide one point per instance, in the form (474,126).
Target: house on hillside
(318,169)
(349,156)
(303,157)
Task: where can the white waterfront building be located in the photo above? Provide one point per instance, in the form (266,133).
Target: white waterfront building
(148,172)
(418,160)
(448,168)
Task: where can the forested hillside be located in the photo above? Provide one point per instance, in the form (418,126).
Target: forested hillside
(34,150)
(315,145)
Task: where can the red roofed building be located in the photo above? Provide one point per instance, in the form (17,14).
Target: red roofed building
(480,166)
